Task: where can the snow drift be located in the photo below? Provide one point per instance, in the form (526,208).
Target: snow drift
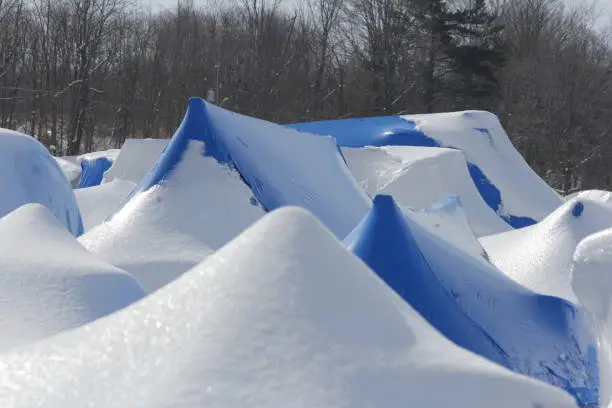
(540,256)
(383,240)
(49,283)
(553,343)
(135,160)
(170,227)
(419,176)
(281,166)
(592,283)
(97,203)
(447,220)
(186,207)
(29,174)
(292,320)
(503,178)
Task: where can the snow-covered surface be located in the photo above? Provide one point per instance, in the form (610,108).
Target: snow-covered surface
(162,232)
(70,168)
(419,176)
(99,202)
(29,174)
(135,160)
(539,257)
(592,283)
(482,139)
(49,283)
(287,167)
(293,320)
(447,220)
(110,154)
(553,341)
(384,241)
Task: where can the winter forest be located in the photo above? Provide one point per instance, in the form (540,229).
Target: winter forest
(82,75)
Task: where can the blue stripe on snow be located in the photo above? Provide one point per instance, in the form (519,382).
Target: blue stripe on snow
(384,241)
(92,171)
(396,131)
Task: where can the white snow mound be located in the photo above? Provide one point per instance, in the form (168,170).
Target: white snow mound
(592,283)
(29,174)
(49,283)
(485,143)
(135,159)
(417,177)
(292,320)
(97,203)
(539,257)
(161,233)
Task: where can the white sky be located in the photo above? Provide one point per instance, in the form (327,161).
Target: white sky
(603,8)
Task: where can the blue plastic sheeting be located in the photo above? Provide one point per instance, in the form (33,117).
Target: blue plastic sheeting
(281,166)
(396,131)
(556,347)
(384,241)
(92,171)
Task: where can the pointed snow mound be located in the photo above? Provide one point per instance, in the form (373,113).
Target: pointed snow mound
(188,206)
(419,176)
(592,283)
(135,160)
(540,256)
(385,243)
(553,341)
(286,167)
(97,203)
(292,320)
(28,174)
(49,283)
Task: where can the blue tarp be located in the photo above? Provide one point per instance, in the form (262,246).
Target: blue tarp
(92,171)
(281,166)
(396,131)
(383,240)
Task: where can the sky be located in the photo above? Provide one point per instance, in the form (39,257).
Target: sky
(603,7)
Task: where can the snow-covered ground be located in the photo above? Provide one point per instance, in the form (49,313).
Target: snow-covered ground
(49,283)
(408,276)
(293,320)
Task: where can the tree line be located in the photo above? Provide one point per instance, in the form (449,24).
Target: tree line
(86,74)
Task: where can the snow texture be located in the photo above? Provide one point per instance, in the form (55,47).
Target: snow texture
(539,257)
(167,229)
(99,202)
(480,136)
(281,166)
(70,168)
(419,176)
(293,320)
(384,241)
(503,179)
(135,160)
(49,283)
(592,283)
(447,220)
(29,174)
(544,337)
